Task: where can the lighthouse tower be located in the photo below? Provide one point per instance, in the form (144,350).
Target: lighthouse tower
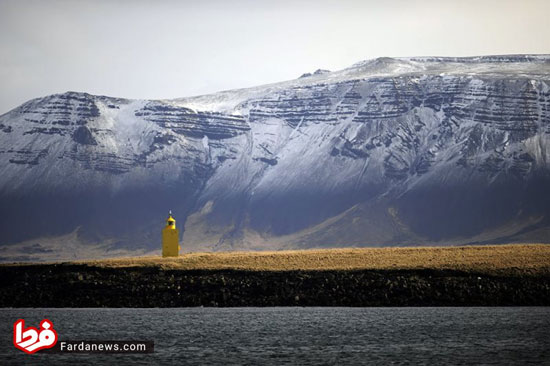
(170,238)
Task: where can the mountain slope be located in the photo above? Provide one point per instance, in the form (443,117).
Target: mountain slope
(387,152)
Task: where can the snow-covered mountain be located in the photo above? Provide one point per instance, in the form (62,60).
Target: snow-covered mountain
(390,151)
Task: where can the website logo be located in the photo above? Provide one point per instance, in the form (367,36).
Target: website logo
(31,340)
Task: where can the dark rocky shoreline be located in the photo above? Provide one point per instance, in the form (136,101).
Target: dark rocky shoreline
(69,285)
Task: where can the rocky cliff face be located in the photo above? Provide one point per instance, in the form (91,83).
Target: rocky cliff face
(387,152)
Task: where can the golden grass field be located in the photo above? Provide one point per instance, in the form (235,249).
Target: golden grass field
(494,259)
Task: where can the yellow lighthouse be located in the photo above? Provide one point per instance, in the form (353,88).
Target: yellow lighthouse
(170,238)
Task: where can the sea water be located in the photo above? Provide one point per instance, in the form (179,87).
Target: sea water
(295,336)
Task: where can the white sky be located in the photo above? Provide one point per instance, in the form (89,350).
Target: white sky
(170,49)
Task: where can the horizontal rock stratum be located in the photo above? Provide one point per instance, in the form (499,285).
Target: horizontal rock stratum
(390,151)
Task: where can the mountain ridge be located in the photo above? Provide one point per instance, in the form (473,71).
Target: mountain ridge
(391,151)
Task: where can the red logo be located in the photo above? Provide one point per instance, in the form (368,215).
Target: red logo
(31,340)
